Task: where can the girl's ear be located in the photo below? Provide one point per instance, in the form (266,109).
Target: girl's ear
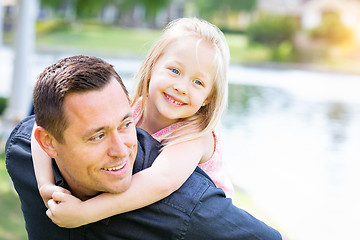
(45,140)
(206,102)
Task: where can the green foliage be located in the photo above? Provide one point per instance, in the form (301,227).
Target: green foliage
(153,7)
(272,30)
(53,24)
(209,8)
(276,32)
(3,104)
(332,30)
(91,8)
(81,8)
(283,52)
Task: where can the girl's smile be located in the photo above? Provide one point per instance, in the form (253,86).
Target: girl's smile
(173,100)
(181,80)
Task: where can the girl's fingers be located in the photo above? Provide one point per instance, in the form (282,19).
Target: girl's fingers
(58,196)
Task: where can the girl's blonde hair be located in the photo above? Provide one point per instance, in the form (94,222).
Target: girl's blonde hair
(208,116)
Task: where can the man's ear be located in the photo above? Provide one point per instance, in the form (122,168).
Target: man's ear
(45,140)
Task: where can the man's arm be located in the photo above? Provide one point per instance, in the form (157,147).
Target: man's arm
(215,217)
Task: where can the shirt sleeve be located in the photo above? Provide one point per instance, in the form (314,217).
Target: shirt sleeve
(215,217)
(20,168)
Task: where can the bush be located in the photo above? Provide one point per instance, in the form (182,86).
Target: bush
(276,32)
(272,30)
(50,25)
(3,104)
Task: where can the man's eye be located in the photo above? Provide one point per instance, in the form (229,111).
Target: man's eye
(174,70)
(128,124)
(97,137)
(125,126)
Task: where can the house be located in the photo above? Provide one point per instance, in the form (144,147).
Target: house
(311,12)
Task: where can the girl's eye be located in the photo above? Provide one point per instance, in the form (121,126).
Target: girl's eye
(174,70)
(198,82)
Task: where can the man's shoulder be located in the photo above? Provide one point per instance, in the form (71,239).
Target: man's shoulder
(21,131)
(196,188)
(24,128)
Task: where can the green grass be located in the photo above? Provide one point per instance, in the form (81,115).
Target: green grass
(241,51)
(12,225)
(122,42)
(105,40)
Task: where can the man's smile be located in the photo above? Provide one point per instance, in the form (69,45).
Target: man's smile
(115,168)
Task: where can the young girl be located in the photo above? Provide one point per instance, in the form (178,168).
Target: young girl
(180,96)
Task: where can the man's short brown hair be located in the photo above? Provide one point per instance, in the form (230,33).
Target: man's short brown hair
(69,75)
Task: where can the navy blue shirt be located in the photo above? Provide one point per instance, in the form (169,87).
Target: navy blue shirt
(198,210)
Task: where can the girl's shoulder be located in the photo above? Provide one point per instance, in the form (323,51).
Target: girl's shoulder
(208,141)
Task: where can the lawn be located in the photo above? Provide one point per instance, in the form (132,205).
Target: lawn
(115,41)
(105,40)
(12,226)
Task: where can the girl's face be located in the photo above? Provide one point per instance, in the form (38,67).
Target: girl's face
(181,79)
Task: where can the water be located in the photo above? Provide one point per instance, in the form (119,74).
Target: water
(291,139)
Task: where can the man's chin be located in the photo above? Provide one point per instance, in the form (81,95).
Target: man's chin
(121,187)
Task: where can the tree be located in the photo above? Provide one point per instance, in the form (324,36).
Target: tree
(91,8)
(76,8)
(152,7)
(210,8)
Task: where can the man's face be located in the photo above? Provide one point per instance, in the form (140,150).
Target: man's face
(100,142)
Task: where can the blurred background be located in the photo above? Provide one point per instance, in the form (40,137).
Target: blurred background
(291,131)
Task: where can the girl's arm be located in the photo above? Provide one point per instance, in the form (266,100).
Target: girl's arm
(43,171)
(169,171)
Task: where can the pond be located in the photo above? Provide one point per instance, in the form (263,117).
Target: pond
(291,139)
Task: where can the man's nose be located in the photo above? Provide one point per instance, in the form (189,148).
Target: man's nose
(117,147)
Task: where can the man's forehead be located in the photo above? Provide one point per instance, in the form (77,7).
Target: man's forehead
(95,107)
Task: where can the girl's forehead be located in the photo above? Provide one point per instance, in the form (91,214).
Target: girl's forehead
(189,46)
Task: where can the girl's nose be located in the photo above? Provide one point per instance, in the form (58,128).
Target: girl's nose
(180,88)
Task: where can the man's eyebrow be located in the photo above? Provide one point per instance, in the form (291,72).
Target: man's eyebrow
(94,130)
(127,116)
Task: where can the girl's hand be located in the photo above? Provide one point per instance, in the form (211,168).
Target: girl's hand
(65,210)
(47,190)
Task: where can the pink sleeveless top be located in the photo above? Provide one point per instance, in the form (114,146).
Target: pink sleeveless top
(214,167)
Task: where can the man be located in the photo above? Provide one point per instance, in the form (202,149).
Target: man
(85,124)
